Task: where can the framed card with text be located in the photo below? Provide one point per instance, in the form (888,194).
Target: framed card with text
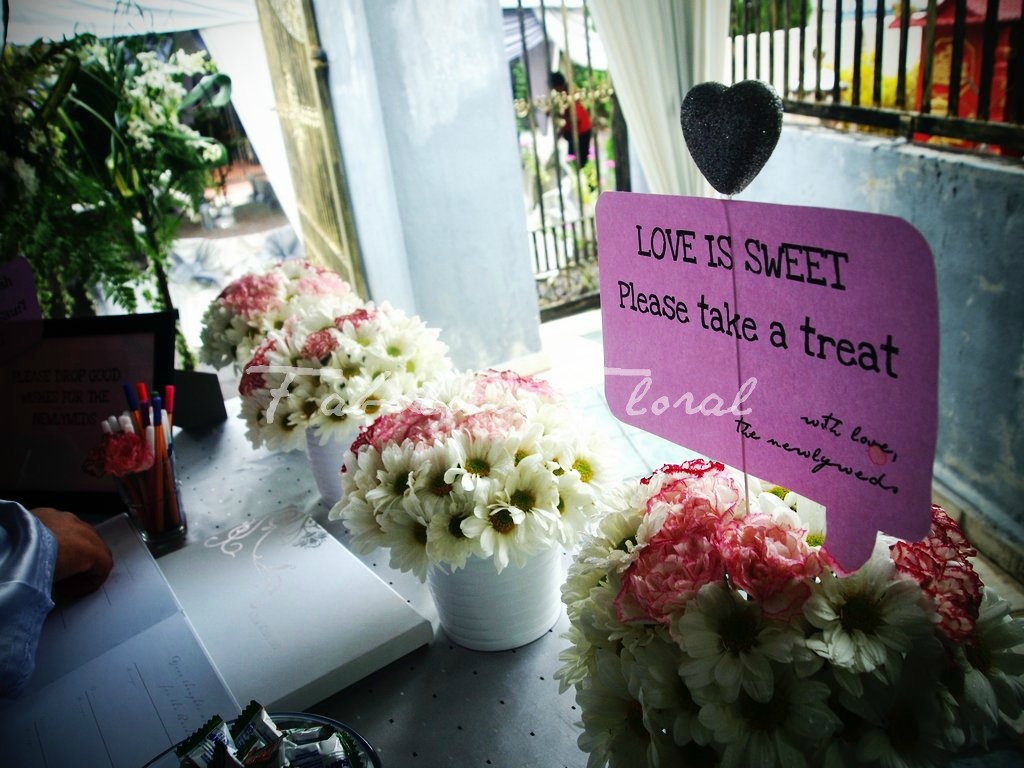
(56,391)
(798,344)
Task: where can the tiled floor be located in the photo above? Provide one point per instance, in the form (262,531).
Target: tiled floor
(572,359)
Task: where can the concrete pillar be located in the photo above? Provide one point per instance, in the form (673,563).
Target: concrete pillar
(423,104)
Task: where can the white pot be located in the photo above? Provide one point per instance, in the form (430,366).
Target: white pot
(326,461)
(484,610)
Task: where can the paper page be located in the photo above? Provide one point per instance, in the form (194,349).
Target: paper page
(135,596)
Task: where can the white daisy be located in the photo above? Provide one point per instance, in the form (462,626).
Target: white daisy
(483,461)
(729,645)
(575,507)
(614,732)
(446,542)
(588,460)
(993,669)
(277,434)
(913,724)
(501,534)
(530,488)
(406,535)
(360,475)
(868,619)
(395,480)
(791,509)
(528,440)
(779,731)
(428,481)
(361,522)
(576,659)
(669,701)
(612,546)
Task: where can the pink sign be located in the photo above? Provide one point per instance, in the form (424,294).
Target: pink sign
(798,344)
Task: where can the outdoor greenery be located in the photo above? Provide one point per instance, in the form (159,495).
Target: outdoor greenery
(99,163)
(887,97)
(764,15)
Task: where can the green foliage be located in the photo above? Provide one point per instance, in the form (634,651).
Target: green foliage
(98,164)
(592,81)
(770,13)
(518,74)
(867,84)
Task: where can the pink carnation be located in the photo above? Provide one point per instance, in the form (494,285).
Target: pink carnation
(670,569)
(770,562)
(511,382)
(251,382)
(319,344)
(701,484)
(318,281)
(251,295)
(948,541)
(421,426)
(692,468)
(356,318)
(125,453)
(496,422)
(940,565)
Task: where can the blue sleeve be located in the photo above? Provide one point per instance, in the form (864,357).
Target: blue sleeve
(28,554)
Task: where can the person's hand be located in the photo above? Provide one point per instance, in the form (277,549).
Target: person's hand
(83,558)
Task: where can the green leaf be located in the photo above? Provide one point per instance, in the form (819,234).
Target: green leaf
(214,89)
(60,90)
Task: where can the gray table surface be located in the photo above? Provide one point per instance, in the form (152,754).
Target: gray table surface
(442,705)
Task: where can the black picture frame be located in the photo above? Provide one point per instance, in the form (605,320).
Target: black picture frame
(56,389)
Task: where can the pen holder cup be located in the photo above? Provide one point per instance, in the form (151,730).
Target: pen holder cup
(153,500)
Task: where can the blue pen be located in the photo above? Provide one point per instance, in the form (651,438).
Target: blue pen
(129,395)
(133,408)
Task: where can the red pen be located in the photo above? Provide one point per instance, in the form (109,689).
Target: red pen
(169,407)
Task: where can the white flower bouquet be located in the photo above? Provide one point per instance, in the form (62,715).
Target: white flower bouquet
(485,464)
(250,307)
(334,372)
(709,629)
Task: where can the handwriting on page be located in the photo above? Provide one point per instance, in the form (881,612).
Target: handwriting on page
(798,343)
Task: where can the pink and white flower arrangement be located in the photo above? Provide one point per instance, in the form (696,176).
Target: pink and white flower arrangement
(711,627)
(486,464)
(334,372)
(250,307)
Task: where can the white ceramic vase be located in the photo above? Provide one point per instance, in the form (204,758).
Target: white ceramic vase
(327,459)
(484,610)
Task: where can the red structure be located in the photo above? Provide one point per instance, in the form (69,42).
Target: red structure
(970,74)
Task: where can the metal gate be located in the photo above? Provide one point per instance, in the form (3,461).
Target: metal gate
(299,73)
(559,188)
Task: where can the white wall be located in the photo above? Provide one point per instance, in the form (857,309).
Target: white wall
(423,103)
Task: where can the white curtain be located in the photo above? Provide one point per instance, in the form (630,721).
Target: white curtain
(54,19)
(657,50)
(239,52)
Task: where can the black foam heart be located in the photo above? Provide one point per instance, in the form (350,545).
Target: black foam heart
(731,132)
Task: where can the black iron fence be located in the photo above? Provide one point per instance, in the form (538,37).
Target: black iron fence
(570,137)
(947,72)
